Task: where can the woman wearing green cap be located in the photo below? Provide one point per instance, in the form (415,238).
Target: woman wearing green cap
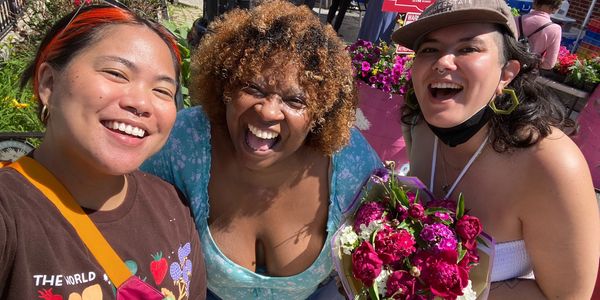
(478,124)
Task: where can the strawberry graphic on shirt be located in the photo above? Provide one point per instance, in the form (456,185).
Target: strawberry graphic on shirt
(47,294)
(158,268)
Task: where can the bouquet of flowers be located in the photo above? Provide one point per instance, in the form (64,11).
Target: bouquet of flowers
(401,243)
(380,66)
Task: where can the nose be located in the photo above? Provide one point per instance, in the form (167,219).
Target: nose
(444,63)
(270,109)
(137,101)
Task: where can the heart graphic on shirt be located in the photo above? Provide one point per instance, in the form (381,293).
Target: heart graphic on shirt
(93,292)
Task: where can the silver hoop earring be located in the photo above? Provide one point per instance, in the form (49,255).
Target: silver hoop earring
(44,114)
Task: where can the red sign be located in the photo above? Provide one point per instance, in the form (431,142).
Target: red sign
(408,18)
(405,6)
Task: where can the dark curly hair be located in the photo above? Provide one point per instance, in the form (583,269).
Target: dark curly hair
(276,33)
(534,117)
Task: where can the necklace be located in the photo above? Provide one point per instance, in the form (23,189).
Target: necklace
(462,173)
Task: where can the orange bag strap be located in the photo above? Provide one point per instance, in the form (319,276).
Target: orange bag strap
(56,192)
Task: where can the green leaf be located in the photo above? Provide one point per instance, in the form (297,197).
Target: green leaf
(372,239)
(461,252)
(460,209)
(432,210)
(184,90)
(402,196)
(373,291)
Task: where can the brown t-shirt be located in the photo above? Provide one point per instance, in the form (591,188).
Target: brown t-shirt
(42,257)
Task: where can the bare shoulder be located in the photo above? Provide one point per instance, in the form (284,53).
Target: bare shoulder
(558,207)
(556,158)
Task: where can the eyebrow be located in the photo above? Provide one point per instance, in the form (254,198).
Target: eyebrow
(261,83)
(132,66)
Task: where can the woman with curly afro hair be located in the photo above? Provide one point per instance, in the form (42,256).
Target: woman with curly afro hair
(268,157)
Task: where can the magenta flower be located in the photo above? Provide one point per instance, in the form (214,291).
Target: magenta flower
(381,175)
(468,228)
(393,69)
(394,245)
(366,66)
(443,216)
(447,204)
(411,197)
(416,211)
(443,276)
(400,285)
(439,236)
(366,265)
(367,213)
(470,258)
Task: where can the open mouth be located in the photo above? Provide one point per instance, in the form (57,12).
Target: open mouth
(124,128)
(444,90)
(261,140)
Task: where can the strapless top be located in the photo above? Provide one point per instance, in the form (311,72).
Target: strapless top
(511,261)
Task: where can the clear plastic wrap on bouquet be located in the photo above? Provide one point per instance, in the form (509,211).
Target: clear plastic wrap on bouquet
(398,242)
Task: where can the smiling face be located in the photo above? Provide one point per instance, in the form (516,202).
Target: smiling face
(113,105)
(457,70)
(268,119)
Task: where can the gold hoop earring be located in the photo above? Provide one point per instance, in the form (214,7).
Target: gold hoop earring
(514,102)
(44,114)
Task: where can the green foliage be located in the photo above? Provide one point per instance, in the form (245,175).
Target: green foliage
(17,108)
(515,12)
(42,14)
(584,74)
(181,33)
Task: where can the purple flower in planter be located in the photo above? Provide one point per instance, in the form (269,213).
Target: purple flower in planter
(366,66)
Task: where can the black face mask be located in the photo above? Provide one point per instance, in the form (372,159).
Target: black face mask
(461,133)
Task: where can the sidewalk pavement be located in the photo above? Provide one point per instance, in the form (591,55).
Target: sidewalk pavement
(348,31)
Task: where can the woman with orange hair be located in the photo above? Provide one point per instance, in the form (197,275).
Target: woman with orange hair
(76,218)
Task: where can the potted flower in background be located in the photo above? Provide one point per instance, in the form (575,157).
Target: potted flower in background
(579,72)
(381,76)
(584,74)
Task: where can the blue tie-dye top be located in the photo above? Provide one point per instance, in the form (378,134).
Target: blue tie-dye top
(185,161)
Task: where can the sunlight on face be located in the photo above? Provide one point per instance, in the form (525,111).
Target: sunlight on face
(456,72)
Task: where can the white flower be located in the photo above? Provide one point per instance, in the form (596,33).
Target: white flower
(367,231)
(348,240)
(468,293)
(382,281)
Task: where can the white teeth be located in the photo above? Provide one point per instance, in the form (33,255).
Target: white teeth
(446,85)
(267,135)
(126,128)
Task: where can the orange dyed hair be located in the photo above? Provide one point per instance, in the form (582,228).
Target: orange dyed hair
(83,27)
